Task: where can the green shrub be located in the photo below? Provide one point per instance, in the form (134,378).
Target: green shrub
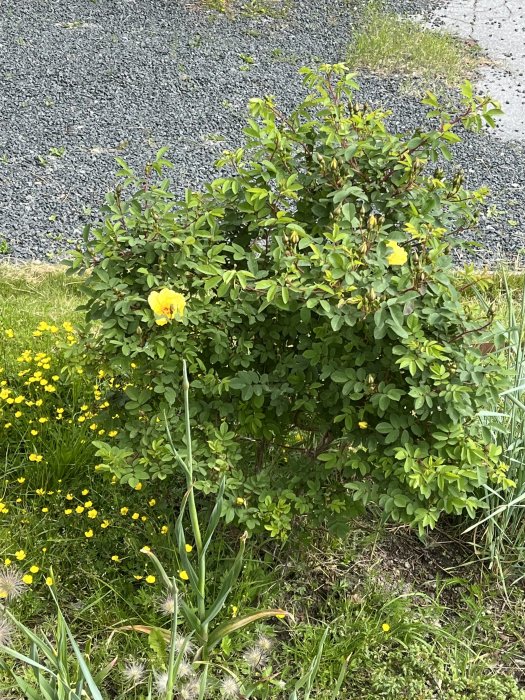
(331,356)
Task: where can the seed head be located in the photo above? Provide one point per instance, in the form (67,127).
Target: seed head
(11,584)
(183,643)
(6,632)
(190,690)
(161,682)
(255,657)
(185,670)
(230,687)
(265,643)
(167,605)
(134,672)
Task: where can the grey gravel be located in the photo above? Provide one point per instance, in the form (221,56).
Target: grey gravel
(125,77)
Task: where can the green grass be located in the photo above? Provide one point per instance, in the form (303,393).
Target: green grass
(387,43)
(30,294)
(413,621)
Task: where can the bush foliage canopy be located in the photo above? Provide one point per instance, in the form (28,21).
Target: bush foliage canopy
(332,359)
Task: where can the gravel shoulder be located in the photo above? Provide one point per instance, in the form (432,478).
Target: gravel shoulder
(93,80)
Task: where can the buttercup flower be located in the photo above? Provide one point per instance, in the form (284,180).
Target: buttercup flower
(184,575)
(385,627)
(166,305)
(398,256)
(363,424)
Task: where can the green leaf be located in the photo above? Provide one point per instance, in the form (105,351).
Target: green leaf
(237,623)
(157,643)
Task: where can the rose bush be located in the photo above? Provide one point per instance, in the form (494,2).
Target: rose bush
(333,361)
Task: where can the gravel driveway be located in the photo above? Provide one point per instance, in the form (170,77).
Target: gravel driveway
(83,81)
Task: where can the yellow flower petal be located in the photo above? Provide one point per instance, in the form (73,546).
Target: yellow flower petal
(398,256)
(166,305)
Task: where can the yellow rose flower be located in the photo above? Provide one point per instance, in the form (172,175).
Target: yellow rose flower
(398,256)
(166,305)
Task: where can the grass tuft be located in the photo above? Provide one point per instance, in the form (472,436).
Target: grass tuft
(387,43)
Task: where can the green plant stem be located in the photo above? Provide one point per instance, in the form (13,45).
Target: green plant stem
(201,593)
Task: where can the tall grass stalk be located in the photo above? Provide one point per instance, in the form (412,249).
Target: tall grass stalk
(503,528)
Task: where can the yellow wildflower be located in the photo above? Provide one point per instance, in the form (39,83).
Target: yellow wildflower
(20,555)
(385,627)
(150,579)
(188,548)
(49,580)
(34,569)
(88,533)
(184,575)
(115,557)
(398,256)
(92,513)
(27,579)
(363,424)
(166,305)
